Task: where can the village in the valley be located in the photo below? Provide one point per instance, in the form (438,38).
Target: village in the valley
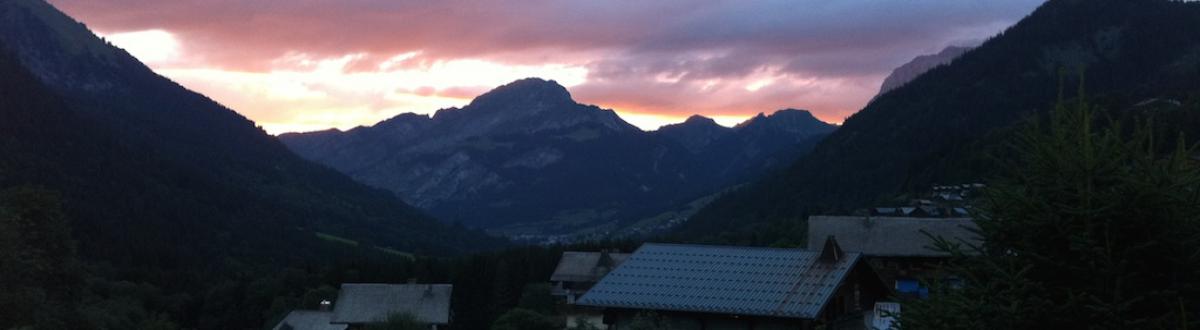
(852,275)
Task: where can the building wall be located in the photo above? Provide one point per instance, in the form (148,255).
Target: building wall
(905,269)
(571,291)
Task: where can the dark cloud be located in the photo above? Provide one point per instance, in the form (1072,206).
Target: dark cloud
(648,54)
(233,32)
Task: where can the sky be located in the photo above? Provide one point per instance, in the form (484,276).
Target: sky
(304,65)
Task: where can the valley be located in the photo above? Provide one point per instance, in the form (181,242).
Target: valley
(432,165)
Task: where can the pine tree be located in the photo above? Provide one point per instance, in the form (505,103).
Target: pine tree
(1093,227)
(398,321)
(38,269)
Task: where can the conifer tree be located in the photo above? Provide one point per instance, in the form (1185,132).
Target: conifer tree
(1094,226)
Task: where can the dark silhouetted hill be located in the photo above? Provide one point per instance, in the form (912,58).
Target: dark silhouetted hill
(940,126)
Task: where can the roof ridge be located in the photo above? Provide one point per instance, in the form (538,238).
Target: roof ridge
(727,247)
(851,261)
(793,289)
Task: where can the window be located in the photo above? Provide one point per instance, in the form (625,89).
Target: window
(909,286)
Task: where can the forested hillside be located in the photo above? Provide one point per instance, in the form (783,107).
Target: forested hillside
(175,203)
(943,126)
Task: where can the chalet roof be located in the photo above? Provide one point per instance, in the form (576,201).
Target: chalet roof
(790,283)
(585,266)
(368,303)
(889,236)
(308,320)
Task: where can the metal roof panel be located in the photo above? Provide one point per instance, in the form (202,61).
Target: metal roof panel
(721,279)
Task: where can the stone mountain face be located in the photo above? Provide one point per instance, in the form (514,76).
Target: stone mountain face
(527,106)
(526,159)
(911,70)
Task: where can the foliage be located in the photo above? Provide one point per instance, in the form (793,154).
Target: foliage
(37,254)
(1093,225)
(398,321)
(582,324)
(649,321)
(524,319)
(537,298)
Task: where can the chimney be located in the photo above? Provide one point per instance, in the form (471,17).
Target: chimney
(325,304)
(412,280)
(831,252)
(429,291)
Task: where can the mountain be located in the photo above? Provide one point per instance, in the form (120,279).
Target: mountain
(944,125)
(919,65)
(761,144)
(696,132)
(789,130)
(171,193)
(526,160)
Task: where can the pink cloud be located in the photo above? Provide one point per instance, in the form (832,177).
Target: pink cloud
(671,57)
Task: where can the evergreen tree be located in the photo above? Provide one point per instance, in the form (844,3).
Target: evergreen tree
(649,321)
(1093,227)
(524,319)
(38,269)
(581,324)
(399,321)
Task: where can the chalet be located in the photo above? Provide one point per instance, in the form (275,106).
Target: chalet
(899,249)
(308,320)
(579,271)
(575,274)
(729,287)
(361,304)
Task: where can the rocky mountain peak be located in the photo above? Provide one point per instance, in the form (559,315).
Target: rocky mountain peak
(524,93)
(695,133)
(525,106)
(791,120)
(794,115)
(919,65)
(407,119)
(698,120)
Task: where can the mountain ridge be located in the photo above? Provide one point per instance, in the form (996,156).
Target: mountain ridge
(528,138)
(908,71)
(695,132)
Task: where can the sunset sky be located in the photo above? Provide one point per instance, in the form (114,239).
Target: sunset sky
(303,65)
